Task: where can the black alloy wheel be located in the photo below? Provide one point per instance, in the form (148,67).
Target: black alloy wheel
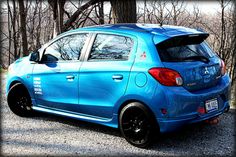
(19,100)
(137,124)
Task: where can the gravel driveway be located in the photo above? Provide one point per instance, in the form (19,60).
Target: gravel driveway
(53,135)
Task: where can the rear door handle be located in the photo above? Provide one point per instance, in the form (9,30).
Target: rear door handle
(70,77)
(117,77)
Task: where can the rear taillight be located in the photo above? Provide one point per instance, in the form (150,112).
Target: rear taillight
(223,67)
(167,77)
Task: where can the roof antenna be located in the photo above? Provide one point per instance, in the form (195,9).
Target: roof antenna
(161,24)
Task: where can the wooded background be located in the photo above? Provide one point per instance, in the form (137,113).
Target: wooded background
(26,25)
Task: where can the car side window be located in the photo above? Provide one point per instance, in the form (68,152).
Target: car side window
(111,47)
(66,48)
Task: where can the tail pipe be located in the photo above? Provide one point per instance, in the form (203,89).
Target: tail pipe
(227,109)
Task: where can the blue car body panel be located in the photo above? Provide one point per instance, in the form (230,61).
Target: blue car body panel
(59,91)
(95,91)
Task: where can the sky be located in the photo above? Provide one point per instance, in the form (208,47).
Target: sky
(206,6)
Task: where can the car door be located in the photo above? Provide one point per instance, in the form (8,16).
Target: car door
(55,77)
(104,76)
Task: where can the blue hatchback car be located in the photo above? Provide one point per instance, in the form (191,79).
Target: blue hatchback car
(142,78)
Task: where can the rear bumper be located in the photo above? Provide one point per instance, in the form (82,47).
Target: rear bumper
(172,124)
(182,105)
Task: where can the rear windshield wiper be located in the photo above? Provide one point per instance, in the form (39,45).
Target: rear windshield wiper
(198,58)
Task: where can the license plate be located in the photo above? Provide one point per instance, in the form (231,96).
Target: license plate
(211,105)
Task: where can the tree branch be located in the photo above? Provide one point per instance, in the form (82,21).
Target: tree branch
(77,13)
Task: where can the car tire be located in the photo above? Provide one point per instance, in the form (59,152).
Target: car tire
(19,100)
(137,124)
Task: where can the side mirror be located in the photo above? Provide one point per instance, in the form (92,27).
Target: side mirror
(34,56)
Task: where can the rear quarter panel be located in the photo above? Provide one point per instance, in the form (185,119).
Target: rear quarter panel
(142,86)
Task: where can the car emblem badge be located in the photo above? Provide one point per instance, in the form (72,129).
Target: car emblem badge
(143,56)
(206,71)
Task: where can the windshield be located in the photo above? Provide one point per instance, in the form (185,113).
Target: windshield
(185,52)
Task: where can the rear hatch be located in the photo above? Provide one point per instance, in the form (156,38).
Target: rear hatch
(191,56)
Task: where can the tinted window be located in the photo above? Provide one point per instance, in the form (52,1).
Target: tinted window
(185,52)
(66,48)
(111,47)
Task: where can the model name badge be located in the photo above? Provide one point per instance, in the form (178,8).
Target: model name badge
(191,84)
(37,86)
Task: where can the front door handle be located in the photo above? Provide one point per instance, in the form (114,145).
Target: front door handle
(70,77)
(117,77)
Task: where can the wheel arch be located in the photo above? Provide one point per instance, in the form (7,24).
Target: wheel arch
(18,82)
(13,83)
(143,103)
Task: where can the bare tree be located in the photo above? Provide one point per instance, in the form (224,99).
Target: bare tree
(99,11)
(157,12)
(69,22)
(58,14)
(177,9)
(9,31)
(234,50)
(222,38)
(23,27)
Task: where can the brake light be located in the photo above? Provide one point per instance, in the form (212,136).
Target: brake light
(223,68)
(167,77)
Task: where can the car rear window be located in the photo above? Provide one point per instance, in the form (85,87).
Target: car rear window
(184,51)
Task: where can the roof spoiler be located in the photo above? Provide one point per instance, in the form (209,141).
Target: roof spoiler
(183,40)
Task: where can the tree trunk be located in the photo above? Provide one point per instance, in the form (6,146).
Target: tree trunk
(234,54)
(101,13)
(222,43)
(60,11)
(14,21)
(9,31)
(144,11)
(58,14)
(124,11)
(38,29)
(23,28)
